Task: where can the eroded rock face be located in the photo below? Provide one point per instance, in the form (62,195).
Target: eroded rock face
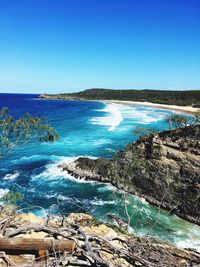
(164,169)
(89,169)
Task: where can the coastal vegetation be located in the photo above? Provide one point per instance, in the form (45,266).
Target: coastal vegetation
(26,129)
(182,98)
(142,131)
(182,120)
(12,198)
(17,132)
(160,167)
(163,168)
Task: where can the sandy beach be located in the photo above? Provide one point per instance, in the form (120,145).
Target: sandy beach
(187,109)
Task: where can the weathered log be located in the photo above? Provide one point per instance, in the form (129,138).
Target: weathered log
(36,244)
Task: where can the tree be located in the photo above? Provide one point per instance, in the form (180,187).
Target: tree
(26,129)
(142,131)
(12,198)
(177,120)
(197,117)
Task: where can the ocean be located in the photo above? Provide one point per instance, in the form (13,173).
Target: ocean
(92,129)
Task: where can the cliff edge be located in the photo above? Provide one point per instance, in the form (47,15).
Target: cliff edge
(163,168)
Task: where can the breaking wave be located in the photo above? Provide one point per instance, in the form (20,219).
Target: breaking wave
(11,176)
(3,192)
(112,119)
(116,113)
(53,172)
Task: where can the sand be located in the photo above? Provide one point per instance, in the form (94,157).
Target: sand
(187,109)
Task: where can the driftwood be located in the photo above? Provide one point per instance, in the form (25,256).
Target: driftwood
(90,251)
(81,248)
(36,244)
(38,228)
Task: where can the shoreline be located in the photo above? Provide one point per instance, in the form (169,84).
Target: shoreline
(166,153)
(186,109)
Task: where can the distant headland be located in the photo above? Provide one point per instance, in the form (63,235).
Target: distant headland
(187,101)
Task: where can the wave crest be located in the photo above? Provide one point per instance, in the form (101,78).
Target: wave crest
(112,120)
(11,176)
(3,192)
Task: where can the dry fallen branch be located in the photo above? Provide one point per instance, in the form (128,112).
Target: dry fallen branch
(6,258)
(92,249)
(39,228)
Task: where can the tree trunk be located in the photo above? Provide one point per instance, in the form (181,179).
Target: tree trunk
(36,244)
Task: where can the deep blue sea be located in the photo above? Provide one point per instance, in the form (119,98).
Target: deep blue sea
(93,129)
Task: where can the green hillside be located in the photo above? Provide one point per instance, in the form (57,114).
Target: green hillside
(182,98)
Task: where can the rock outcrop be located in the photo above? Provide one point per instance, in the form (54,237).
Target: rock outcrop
(95,244)
(163,168)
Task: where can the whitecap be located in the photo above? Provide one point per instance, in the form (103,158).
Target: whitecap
(11,176)
(106,188)
(142,116)
(116,113)
(143,200)
(3,192)
(48,196)
(63,198)
(192,238)
(188,243)
(112,119)
(100,142)
(101,202)
(35,158)
(53,172)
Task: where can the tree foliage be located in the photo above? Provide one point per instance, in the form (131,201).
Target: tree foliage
(178,120)
(26,129)
(182,98)
(197,117)
(12,198)
(143,131)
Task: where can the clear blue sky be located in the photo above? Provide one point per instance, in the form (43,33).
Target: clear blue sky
(69,45)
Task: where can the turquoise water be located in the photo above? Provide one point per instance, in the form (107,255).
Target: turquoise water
(92,129)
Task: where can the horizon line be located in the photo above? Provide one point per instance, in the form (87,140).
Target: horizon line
(139,89)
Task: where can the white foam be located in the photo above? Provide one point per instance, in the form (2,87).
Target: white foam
(48,196)
(11,176)
(143,200)
(142,116)
(63,198)
(112,119)
(116,113)
(194,244)
(106,187)
(101,142)
(192,239)
(53,172)
(100,202)
(3,192)
(35,158)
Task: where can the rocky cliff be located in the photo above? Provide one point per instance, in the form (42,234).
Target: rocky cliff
(163,168)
